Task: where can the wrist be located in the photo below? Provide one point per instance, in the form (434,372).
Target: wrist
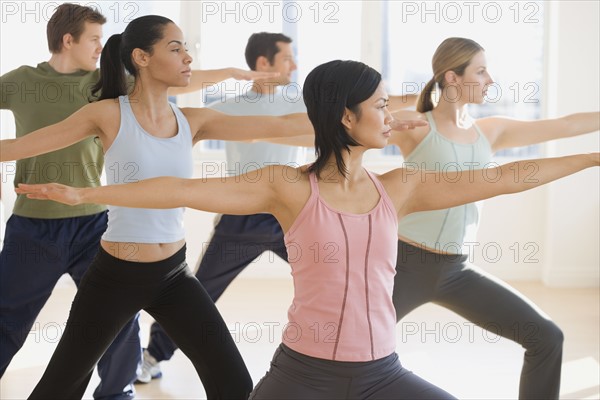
(83,196)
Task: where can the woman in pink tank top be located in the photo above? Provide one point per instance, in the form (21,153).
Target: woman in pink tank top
(344,298)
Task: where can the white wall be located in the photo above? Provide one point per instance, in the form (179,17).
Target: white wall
(572,212)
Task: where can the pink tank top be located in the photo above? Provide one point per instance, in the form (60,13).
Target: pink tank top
(343,266)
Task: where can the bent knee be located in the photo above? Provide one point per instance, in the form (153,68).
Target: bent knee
(545,334)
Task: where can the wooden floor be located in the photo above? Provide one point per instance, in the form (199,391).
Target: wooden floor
(433,342)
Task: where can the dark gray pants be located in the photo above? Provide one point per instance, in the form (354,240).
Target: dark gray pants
(296,376)
(451,282)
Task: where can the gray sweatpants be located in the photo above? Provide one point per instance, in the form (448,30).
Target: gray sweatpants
(297,376)
(451,282)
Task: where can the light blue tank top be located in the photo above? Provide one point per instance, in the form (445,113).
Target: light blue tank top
(135,155)
(245,157)
(446,230)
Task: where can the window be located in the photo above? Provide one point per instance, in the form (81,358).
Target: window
(511,32)
(321,31)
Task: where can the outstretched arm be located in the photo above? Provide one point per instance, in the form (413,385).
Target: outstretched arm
(407,140)
(400,125)
(202,78)
(210,124)
(418,190)
(309,140)
(232,195)
(78,126)
(299,141)
(504,132)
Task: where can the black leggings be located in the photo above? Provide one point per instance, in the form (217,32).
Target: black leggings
(451,282)
(111,292)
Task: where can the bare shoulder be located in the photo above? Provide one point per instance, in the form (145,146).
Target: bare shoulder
(399,180)
(193,111)
(197,117)
(398,184)
(95,115)
(391,177)
(107,105)
(290,181)
(292,191)
(294,185)
(107,115)
(491,127)
(103,109)
(198,113)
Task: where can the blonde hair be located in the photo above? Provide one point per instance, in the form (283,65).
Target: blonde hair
(453,54)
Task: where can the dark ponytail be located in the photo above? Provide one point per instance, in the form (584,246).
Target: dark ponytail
(141,33)
(112,82)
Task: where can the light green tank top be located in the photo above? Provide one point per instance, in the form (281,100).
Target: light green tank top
(446,230)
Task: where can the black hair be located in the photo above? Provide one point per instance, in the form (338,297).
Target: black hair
(328,90)
(263,44)
(141,33)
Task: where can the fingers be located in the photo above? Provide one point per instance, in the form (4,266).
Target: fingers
(264,75)
(241,74)
(32,191)
(402,125)
(24,188)
(37,196)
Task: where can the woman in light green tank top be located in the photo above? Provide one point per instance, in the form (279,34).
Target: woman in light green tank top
(433,249)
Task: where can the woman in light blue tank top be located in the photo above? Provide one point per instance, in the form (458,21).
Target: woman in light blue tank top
(433,246)
(141,260)
(347,104)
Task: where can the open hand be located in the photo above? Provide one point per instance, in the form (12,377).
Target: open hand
(241,74)
(51,191)
(403,125)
